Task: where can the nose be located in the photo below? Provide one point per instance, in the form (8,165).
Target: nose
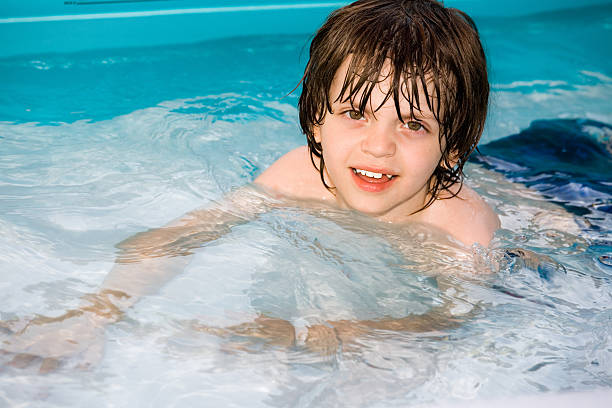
(379,140)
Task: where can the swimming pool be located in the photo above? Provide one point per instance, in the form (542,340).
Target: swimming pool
(103,143)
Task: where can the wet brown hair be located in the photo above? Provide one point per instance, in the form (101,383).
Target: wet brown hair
(422,42)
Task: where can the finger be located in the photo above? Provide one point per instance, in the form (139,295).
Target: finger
(12,326)
(22,360)
(217,331)
(322,340)
(92,355)
(48,365)
(235,347)
(5,329)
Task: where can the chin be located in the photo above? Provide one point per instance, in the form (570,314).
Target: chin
(370,209)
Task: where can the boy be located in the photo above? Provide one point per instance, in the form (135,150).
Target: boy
(394,101)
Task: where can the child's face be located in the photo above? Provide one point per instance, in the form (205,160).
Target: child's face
(380,143)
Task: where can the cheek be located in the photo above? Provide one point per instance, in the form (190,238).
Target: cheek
(422,158)
(331,138)
(330,152)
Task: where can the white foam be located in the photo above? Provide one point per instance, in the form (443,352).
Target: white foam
(514,110)
(598,75)
(522,84)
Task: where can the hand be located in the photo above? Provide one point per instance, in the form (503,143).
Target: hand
(52,341)
(348,331)
(276,332)
(321,339)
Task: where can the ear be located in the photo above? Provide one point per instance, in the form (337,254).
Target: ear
(454,158)
(316,132)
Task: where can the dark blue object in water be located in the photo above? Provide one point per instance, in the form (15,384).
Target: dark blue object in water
(567,160)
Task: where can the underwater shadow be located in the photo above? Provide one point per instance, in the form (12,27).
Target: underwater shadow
(569,161)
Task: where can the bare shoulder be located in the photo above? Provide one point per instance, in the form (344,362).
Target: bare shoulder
(293,175)
(467,217)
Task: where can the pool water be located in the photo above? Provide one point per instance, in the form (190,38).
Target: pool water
(97,146)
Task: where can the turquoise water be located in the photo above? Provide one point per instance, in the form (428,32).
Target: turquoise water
(96,146)
(541,66)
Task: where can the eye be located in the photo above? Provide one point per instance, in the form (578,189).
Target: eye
(353,114)
(413,125)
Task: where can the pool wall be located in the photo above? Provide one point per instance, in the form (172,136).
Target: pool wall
(34,27)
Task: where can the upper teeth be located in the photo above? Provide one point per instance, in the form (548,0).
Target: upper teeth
(371,174)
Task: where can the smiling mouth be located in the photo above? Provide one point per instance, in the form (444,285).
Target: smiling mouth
(371,181)
(365,174)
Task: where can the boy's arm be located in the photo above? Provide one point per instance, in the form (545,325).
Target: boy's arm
(146,261)
(449,315)
(325,337)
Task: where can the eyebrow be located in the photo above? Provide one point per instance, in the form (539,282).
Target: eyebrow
(418,114)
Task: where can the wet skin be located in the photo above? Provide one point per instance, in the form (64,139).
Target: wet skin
(381,166)
(408,150)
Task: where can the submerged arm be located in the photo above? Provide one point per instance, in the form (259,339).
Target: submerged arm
(452,313)
(325,337)
(454,309)
(145,262)
(148,260)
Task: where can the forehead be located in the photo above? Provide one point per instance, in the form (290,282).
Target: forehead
(348,86)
